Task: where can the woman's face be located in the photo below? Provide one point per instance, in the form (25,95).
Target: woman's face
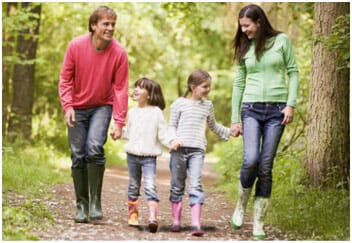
(249,27)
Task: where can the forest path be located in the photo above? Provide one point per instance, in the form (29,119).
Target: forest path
(216,212)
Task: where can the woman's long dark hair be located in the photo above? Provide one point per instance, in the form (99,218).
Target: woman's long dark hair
(241,43)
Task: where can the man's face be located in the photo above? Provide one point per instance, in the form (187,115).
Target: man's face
(105,28)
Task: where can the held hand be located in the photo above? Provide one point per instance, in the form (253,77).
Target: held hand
(288,115)
(70,116)
(116,132)
(175,144)
(236,129)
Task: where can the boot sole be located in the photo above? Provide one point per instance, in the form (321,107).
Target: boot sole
(95,218)
(235,226)
(259,236)
(81,221)
(134,225)
(175,228)
(153,227)
(197,233)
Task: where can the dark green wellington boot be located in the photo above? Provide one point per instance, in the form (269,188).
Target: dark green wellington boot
(80,182)
(95,177)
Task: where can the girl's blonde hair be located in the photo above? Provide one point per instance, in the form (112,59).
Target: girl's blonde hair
(197,77)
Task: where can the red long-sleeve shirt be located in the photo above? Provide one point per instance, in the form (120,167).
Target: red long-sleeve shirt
(89,78)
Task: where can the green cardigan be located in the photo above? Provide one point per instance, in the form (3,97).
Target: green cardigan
(266,80)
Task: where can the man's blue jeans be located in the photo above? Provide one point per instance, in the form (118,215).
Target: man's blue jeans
(88,136)
(184,159)
(138,165)
(262,132)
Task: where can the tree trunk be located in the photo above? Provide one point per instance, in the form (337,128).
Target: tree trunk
(328,157)
(6,70)
(20,124)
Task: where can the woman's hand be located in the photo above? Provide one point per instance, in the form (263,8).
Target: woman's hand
(236,129)
(288,115)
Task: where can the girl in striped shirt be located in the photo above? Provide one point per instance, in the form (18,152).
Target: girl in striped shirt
(188,119)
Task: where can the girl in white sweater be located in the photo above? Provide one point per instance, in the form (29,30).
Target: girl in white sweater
(146,131)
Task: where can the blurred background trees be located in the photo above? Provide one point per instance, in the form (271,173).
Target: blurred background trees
(165,42)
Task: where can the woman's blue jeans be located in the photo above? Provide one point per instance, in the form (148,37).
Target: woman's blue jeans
(138,165)
(88,136)
(262,132)
(181,160)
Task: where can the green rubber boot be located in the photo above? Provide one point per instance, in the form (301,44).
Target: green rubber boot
(80,182)
(260,207)
(95,176)
(238,214)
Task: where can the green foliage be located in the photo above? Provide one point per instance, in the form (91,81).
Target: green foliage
(29,171)
(26,169)
(312,214)
(19,220)
(115,154)
(21,20)
(339,41)
(302,212)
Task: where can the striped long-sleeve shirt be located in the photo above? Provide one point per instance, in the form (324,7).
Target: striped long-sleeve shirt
(188,121)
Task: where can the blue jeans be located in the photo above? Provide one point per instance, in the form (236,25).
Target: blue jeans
(137,165)
(181,160)
(262,132)
(88,136)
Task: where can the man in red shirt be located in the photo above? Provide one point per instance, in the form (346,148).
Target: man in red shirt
(93,87)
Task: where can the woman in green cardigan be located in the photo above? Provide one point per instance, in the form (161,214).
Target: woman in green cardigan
(263,57)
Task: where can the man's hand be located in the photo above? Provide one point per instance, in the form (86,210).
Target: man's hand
(175,144)
(236,129)
(288,115)
(70,116)
(116,132)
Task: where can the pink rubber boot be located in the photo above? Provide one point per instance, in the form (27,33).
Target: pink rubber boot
(176,216)
(133,213)
(195,214)
(152,210)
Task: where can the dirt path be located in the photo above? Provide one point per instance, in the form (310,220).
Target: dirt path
(216,212)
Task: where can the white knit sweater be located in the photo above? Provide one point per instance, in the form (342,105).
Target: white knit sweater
(146,131)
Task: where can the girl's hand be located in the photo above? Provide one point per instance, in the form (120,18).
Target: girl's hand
(288,115)
(175,144)
(236,129)
(116,132)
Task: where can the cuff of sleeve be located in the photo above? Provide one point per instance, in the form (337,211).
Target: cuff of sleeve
(235,119)
(67,108)
(120,124)
(227,134)
(291,103)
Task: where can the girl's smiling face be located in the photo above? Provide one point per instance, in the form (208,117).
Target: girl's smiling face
(202,90)
(249,27)
(141,96)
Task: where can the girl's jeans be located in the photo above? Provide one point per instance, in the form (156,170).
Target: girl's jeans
(137,165)
(262,131)
(88,136)
(191,159)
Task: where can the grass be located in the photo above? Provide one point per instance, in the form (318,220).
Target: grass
(299,211)
(29,172)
